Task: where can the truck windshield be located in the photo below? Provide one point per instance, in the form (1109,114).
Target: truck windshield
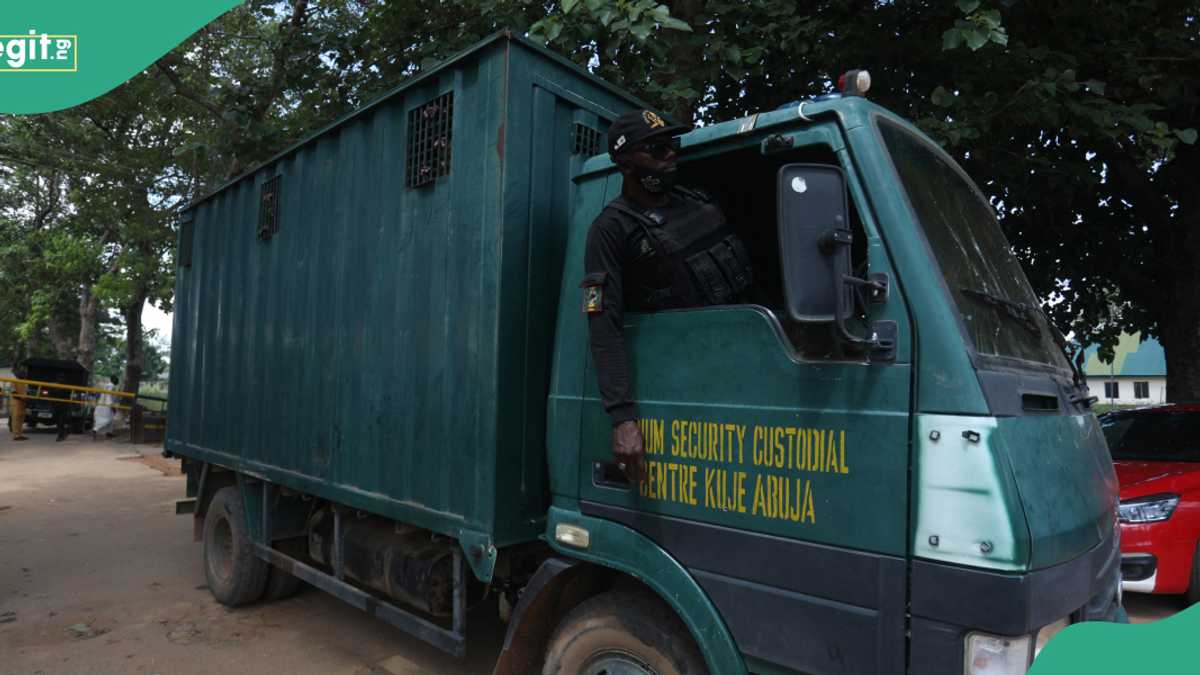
(999,309)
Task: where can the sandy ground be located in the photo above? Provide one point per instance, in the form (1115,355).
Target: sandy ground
(98,575)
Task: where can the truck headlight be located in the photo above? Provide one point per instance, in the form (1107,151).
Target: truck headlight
(997,654)
(1148,509)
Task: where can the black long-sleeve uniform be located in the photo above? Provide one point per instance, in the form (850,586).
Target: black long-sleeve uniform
(680,255)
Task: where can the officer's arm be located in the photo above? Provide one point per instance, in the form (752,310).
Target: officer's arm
(603,263)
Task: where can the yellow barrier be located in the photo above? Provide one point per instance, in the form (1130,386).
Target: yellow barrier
(68,387)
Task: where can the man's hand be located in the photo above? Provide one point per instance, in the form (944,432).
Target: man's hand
(628,450)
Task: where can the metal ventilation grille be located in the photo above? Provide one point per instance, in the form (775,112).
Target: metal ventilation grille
(429,136)
(268,209)
(585,140)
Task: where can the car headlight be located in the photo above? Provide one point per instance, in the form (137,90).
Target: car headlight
(997,654)
(1148,509)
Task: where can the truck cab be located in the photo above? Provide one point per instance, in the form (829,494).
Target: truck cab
(887,464)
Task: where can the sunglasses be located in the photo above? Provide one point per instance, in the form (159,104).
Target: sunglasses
(659,149)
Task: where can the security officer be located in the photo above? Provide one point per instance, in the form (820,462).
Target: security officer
(656,246)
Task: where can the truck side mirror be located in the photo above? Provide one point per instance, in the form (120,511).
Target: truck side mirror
(814,238)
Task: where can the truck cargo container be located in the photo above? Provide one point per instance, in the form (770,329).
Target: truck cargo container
(381,385)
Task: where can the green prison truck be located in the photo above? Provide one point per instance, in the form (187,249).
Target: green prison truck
(381,385)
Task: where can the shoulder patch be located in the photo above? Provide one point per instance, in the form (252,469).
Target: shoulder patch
(593,292)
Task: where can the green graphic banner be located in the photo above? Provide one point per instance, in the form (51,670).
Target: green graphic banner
(1166,646)
(58,53)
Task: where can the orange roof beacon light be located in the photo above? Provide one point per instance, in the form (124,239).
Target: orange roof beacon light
(854,83)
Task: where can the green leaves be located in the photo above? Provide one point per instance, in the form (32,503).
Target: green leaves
(942,98)
(979,28)
(581,22)
(1187,136)
(675,24)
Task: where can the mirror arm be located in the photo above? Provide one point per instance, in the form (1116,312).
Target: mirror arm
(875,286)
(829,243)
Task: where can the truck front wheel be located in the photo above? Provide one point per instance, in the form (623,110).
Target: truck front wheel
(235,575)
(619,633)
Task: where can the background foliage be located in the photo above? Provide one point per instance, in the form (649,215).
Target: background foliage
(1077,119)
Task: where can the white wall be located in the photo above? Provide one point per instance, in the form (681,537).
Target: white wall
(1158,389)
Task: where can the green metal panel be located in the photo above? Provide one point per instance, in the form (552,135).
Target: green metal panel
(389,348)
(1068,487)
(1031,493)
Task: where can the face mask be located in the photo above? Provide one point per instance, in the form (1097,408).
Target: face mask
(654,181)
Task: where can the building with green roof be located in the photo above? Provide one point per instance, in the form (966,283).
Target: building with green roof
(1137,374)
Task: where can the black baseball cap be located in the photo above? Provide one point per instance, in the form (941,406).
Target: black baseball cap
(637,126)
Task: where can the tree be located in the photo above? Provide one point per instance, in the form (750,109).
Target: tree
(1080,128)
(1076,118)
(112,244)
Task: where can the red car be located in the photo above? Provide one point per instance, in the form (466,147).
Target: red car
(1156,452)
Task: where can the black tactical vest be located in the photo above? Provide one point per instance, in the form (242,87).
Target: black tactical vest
(706,263)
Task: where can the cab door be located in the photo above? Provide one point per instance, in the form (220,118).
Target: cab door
(776,476)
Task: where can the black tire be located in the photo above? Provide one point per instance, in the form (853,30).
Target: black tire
(1193,591)
(622,632)
(280,585)
(235,575)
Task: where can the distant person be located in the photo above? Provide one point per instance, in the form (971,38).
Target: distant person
(103,416)
(16,413)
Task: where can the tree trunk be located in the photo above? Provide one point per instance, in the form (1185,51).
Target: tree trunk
(1179,322)
(89,306)
(1179,317)
(135,352)
(60,338)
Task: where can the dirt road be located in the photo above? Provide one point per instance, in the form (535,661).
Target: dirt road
(98,575)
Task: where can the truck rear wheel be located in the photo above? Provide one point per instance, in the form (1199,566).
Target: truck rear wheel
(622,633)
(235,575)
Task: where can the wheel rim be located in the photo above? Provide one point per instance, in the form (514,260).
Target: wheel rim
(617,662)
(220,549)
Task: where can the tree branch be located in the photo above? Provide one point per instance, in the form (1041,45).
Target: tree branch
(183,90)
(295,24)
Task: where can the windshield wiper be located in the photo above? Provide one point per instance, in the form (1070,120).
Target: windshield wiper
(1023,313)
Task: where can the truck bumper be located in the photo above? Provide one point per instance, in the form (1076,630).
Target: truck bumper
(949,602)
